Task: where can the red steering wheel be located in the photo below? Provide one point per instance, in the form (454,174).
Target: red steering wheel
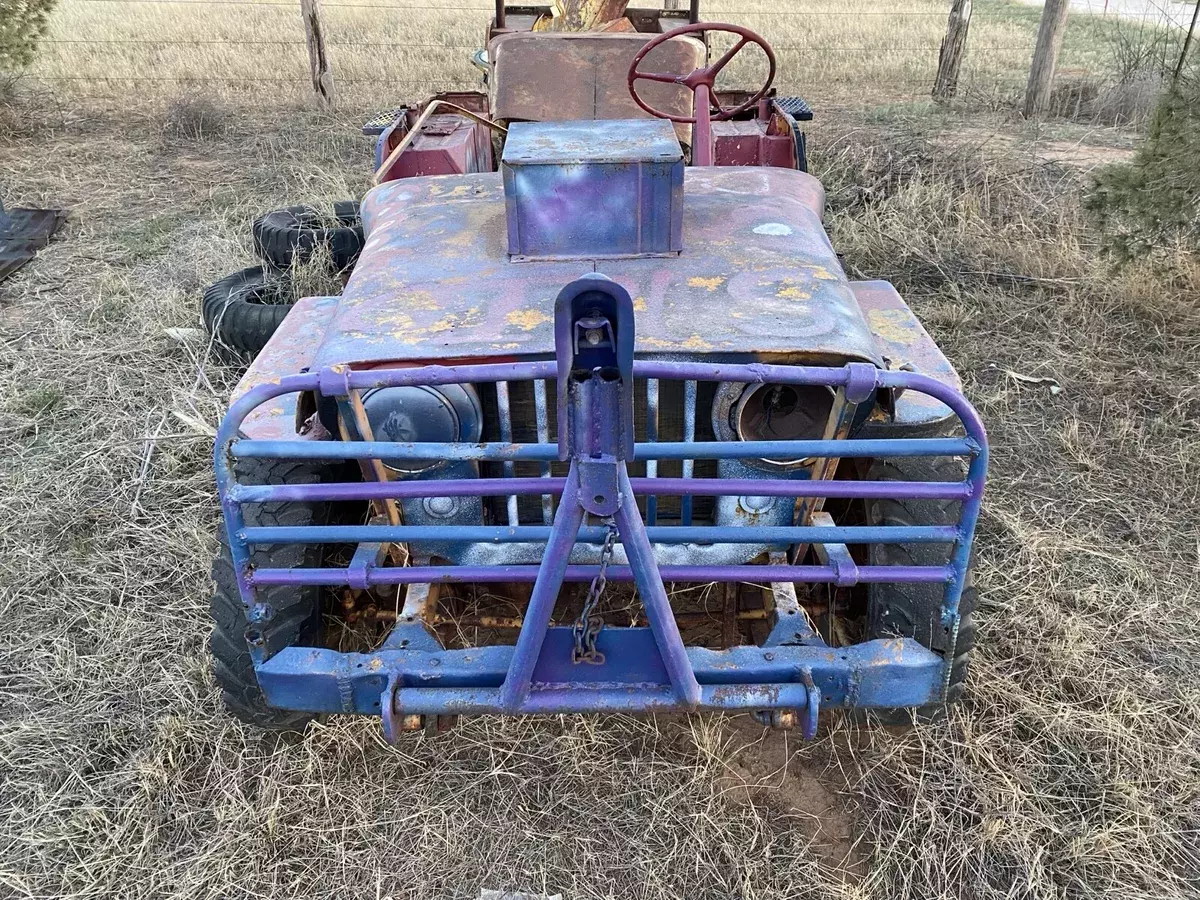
(705,77)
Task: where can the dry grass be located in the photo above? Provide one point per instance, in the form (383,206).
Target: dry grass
(1072,771)
(383,51)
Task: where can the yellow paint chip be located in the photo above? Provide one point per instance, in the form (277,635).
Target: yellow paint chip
(711,283)
(639,304)
(527,319)
(695,342)
(822,273)
(894,325)
(793,293)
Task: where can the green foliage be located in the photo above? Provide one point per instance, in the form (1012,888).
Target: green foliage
(1153,202)
(22,24)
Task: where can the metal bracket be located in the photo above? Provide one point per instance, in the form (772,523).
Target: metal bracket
(593,341)
(837,556)
(593,331)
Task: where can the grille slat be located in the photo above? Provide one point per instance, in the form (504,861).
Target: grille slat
(542,415)
(663,411)
(652,436)
(506,434)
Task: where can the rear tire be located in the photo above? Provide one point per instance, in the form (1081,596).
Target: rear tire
(914,610)
(297,618)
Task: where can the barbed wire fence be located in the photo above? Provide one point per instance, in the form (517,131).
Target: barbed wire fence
(381,52)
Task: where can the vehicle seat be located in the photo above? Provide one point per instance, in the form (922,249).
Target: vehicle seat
(554,76)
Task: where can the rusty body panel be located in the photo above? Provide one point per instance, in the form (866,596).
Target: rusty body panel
(750,142)
(447,145)
(757,278)
(554,77)
(905,344)
(292,349)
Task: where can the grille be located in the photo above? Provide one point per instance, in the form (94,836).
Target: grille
(525,412)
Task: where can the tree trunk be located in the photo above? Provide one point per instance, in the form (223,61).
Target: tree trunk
(1045,56)
(954,44)
(318,56)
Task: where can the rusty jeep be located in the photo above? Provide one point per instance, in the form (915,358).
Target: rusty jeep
(599,423)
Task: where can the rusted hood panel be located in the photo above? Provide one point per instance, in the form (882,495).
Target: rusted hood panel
(757,279)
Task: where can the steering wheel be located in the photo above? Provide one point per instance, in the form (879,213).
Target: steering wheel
(701,82)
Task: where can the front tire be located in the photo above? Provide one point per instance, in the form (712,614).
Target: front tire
(297,618)
(914,610)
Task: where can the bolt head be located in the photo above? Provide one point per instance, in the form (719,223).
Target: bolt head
(441,507)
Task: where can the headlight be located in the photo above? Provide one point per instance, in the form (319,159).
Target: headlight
(444,413)
(772,412)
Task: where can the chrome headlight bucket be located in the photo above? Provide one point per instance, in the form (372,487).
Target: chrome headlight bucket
(772,412)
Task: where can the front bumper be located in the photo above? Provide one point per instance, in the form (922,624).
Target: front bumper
(434,681)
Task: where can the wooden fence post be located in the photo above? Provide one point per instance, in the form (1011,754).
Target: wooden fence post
(1045,56)
(318,56)
(945,86)
(1187,45)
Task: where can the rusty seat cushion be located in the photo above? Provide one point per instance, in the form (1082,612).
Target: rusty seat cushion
(550,77)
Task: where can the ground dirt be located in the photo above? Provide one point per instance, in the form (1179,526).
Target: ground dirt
(1072,770)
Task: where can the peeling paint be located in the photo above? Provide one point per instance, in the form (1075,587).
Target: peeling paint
(711,284)
(893,325)
(527,319)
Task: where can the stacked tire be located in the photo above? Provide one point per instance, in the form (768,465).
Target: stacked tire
(291,236)
(243,309)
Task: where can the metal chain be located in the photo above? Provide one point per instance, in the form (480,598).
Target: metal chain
(590,623)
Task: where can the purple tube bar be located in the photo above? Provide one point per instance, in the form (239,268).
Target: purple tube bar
(661,534)
(522,573)
(683,450)
(667,487)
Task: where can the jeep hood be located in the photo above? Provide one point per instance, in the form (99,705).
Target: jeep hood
(757,278)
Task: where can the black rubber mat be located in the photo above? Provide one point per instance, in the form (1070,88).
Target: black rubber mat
(23,232)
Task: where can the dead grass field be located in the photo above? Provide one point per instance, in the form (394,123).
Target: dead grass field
(253,50)
(1071,771)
